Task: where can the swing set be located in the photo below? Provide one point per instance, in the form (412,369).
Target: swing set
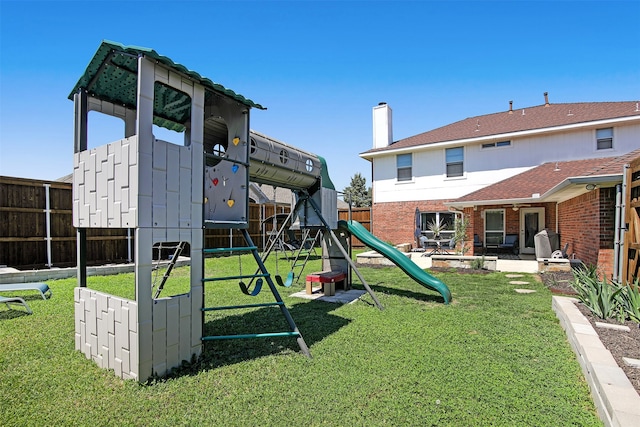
(276,243)
(244,287)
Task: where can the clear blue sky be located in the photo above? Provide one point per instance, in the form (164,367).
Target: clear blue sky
(319,66)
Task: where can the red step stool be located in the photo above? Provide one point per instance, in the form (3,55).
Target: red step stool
(327,280)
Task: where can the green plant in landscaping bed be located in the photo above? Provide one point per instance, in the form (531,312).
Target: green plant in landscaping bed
(630,299)
(460,227)
(597,294)
(605,299)
(477,263)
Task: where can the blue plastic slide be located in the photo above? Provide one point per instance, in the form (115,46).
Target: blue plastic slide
(398,258)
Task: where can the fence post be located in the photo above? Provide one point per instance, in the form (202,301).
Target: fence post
(47,215)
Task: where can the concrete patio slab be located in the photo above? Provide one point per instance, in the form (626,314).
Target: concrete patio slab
(341,297)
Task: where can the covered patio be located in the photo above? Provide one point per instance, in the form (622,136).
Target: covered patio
(575,199)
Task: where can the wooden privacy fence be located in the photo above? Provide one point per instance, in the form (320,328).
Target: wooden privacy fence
(631,252)
(36,229)
(362,215)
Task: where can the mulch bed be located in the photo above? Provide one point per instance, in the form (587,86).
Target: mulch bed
(620,344)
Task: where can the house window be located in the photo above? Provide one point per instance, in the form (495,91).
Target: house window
(604,139)
(494,227)
(455,160)
(403,163)
(446,219)
(496,144)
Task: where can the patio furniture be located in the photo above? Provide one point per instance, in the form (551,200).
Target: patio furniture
(439,247)
(510,244)
(477,243)
(43,288)
(17,301)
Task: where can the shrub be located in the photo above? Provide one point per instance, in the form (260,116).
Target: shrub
(460,227)
(598,295)
(630,299)
(477,263)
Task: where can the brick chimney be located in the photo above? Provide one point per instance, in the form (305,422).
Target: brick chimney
(382,126)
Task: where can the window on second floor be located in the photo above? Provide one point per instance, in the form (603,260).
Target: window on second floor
(496,144)
(604,139)
(455,161)
(403,163)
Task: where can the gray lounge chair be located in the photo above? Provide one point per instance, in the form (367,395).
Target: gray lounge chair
(43,288)
(15,301)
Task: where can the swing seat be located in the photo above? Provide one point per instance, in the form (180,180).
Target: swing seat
(256,289)
(289,281)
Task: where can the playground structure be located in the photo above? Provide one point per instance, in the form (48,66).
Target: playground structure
(169,193)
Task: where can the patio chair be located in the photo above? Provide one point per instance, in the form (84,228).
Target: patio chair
(43,288)
(478,245)
(15,301)
(293,239)
(510,244)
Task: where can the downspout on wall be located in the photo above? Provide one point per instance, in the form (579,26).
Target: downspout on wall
(621,228)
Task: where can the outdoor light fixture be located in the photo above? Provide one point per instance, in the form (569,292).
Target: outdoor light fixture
(590,187)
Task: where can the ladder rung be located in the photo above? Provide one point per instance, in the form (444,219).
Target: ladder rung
(233,307)
(242,336)
(250,276)
(236,249)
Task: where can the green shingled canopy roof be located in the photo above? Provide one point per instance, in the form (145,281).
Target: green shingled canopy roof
(112,76)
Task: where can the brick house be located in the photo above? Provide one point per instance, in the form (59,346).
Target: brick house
(577,199)
(511,172)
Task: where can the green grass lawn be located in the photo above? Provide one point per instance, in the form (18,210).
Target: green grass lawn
(491,357)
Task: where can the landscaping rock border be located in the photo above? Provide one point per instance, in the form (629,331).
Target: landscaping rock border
(616,399)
